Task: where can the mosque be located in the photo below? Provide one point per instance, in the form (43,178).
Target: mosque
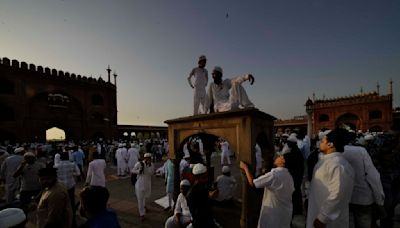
(34,99)
(364,112)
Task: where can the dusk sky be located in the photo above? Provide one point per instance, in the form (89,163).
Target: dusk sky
(292,47)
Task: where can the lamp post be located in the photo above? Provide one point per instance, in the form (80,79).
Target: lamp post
(309,109)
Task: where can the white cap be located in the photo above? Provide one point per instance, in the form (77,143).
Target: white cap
(219,69)
(184,182)
(225,169)
(186,156)
(199,169)
(19,150)
(322,134)
(11,217)
(120,145)
(29,154)
(368,137)
(147,155)
(292,138)
(202,57)
(285,135)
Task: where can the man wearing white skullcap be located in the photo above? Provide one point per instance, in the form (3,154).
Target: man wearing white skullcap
(199,198)
(144,170)
(182,216)
(121,155)
(7,170)
(228,94)
(226,185)
(200,77)
(12,217)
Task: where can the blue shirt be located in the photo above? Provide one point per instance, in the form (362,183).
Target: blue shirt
(105,219)
(79,156)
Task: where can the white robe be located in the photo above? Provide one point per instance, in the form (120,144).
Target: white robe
(330,191)
(121,155)
(229,95)
(367,182)
(133,157)
(276,209)
(182,208)
(95,174)
(200,76)
(143,185)
(225,153)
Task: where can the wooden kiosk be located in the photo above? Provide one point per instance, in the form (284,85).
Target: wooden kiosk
(242,129)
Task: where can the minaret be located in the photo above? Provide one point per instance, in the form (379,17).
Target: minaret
(115,78)
(313,96)
(108,71)
(361,90)
(377,87)
(390,87)
(309,110)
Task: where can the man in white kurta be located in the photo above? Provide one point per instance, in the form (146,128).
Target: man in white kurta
(95,174)
(133,156)
(144,171)
(225,153)
(121,155)
(332,184)
(228,94)
(198,79)
(182,216)
(276,208)
(367,186)
(226,185)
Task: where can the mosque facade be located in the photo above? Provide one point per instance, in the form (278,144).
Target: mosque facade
(364,112)
(34,99)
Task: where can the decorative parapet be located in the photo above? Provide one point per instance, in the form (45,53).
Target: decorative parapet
(51,72)
(349,100)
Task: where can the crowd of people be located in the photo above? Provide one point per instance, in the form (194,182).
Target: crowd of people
(341,178)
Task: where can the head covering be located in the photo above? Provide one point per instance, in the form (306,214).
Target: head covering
(219,69)
(321,134)
(186,156)
(19,150)
(199,169)
(285,135)
(184,182)
(120,145)
(225,169)
(368,137)
(292,138)
(202,57)
(11,217)
(29,154)
(147,155)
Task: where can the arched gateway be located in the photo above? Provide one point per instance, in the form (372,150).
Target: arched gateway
(242,129)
